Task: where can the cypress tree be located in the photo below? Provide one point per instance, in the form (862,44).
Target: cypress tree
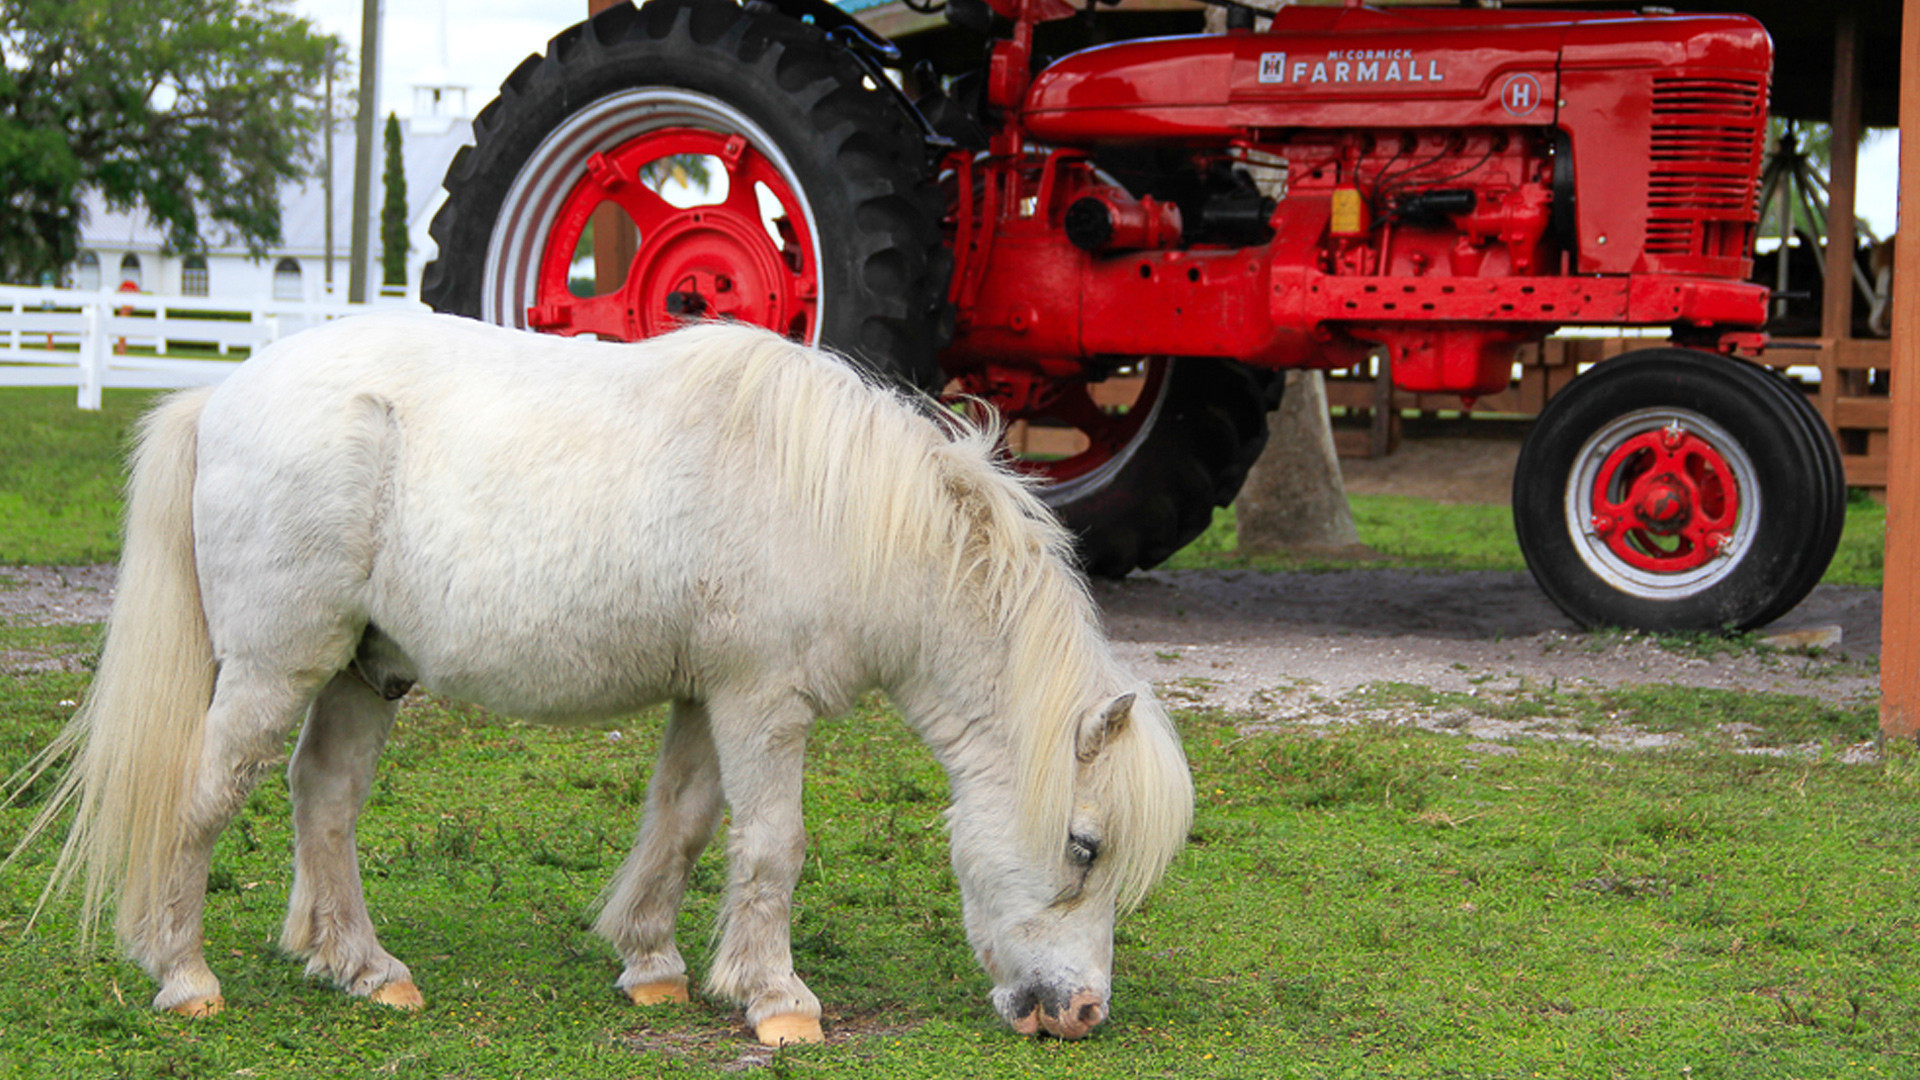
(394,243)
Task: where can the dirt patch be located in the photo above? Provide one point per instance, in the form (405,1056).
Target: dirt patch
(34,596)
(1278,647)
(46,595)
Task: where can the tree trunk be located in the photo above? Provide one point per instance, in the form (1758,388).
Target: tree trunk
(1294,499)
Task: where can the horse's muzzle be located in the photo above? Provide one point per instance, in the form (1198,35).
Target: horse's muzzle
(1074,1018)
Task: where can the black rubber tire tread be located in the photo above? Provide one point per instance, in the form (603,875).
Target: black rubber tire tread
(863,164)
(1830,502)
(1210,430)
(1803,491)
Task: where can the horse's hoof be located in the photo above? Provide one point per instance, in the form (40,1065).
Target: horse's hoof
(789,1028)
(669,991)
(200,1007)
(398,995)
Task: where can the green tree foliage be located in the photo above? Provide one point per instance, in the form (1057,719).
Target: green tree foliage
(394,243)
(194,110)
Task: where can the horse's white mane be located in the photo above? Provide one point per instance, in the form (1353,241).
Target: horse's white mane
(894,478)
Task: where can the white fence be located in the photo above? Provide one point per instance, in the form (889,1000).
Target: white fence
(95,340)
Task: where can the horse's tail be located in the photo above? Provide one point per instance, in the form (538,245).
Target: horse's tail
(135,741)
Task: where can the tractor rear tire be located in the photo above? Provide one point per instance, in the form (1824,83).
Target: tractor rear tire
(828,229)
(1153,495)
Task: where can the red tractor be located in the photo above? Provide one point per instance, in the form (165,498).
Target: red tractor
(1189,215)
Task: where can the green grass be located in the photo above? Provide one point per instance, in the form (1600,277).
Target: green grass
(61,475)
(1356,901)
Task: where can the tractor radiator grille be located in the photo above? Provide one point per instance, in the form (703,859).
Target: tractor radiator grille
(1708,137)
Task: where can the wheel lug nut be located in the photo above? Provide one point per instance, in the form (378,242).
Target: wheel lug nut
(1603,524)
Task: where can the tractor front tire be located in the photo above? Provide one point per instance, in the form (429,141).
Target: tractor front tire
(1673,490)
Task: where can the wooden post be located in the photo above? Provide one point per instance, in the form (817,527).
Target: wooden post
(1836,296)
(1899,621)
(1836,302)
(614,240)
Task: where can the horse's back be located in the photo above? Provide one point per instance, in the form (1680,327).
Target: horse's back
(538,523)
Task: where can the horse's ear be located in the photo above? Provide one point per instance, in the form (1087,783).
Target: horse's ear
(1102,726)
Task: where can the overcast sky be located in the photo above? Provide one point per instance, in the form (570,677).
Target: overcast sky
(485,39)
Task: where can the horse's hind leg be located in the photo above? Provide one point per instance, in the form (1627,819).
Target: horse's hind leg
(761,746)
(330,779)
(160,918)
(683,809)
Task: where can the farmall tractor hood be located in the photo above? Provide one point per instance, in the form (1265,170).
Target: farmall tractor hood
(1324,67)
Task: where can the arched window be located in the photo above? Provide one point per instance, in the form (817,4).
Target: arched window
(193,276)
(130,269)
(286,280)
(86,272)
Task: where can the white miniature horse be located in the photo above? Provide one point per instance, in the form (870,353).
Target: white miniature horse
(570,530)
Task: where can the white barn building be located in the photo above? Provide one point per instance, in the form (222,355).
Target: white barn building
(118,246)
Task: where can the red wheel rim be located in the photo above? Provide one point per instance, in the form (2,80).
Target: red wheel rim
(1665,501)
(735,258)
(1063,430)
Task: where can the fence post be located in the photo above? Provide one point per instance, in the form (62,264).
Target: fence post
(93,354)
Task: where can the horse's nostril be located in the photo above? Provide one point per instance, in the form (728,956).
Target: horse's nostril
(1084,1012)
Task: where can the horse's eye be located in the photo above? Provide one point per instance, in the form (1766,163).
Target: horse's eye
(1082,850)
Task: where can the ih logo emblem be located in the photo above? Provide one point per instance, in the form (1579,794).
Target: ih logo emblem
(1521,94)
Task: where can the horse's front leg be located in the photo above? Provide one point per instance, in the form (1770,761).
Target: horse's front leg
(330,778)
(683,809)
(761,751)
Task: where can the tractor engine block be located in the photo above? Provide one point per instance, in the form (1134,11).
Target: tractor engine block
(1446,184)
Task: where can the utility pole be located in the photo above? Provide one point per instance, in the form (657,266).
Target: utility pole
(326,178)
(363,150)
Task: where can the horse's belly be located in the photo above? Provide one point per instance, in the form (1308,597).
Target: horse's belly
(547,686)
(543,610)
